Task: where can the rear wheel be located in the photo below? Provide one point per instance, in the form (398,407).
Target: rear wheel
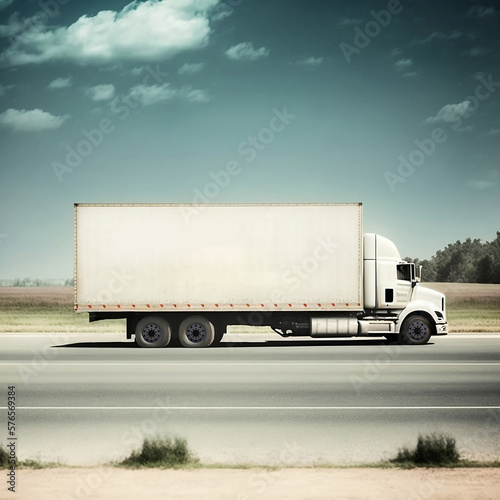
(416,330)
(196,331)
(152,331)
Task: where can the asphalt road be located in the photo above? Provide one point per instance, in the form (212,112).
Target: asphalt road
(86,399)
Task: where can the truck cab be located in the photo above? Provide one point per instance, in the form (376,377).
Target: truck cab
(392,290)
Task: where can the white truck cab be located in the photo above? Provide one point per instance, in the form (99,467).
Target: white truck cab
(392,289)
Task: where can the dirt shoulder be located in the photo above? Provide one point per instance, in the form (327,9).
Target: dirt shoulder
(262,484)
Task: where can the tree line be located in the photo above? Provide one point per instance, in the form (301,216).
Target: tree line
(470,261)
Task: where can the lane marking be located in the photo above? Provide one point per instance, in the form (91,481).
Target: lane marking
(256,407)
(385,363)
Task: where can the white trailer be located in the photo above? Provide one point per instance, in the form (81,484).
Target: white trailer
(180,274)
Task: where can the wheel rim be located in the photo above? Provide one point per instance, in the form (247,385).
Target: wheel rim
(417,331)
(151,333)
(196,333)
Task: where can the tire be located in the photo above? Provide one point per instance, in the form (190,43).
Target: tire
(152,331)
(196,331)
(416,330)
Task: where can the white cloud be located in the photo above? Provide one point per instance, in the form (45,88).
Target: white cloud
(4,88)
(246,52)
(33,120)
(409,74)
(13,27)
(494,132)
(311,62)
(438,36)
(396,52)
(147,95)
(481,184)
(60,83)
(191,69)
(103,92)
(403,64)
(350,21)
(194,95)
(451,112)
(144,31)
(221,15)
(5,3)
(479,11)
(136,71)
(475,52)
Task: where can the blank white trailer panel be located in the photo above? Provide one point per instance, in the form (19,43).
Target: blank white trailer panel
(165,257)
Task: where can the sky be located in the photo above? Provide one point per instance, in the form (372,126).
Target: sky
(394,104)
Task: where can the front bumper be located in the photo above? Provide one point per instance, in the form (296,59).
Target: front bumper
(441,329)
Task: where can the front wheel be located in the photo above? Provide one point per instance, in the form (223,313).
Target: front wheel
(416,330)
(196,331)
(152,331)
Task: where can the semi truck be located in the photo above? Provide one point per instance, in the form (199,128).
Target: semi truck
(180,274)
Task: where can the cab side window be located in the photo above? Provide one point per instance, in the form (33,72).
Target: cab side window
(404,272)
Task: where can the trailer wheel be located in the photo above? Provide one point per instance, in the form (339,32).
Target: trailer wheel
(152,331)
(416,330)
(196,331)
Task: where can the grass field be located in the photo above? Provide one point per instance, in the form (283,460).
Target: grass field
(470,308)
(47,309)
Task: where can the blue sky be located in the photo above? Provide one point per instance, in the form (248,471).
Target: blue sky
(392,104)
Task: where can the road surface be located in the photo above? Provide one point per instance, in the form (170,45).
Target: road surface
(87,399)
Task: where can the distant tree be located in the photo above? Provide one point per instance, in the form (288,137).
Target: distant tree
(485,270)
(469,262)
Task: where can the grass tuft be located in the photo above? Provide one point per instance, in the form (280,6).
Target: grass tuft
(432,450)
(161,452)
(4,458)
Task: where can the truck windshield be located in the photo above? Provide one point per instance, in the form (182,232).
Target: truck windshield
(405,272)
